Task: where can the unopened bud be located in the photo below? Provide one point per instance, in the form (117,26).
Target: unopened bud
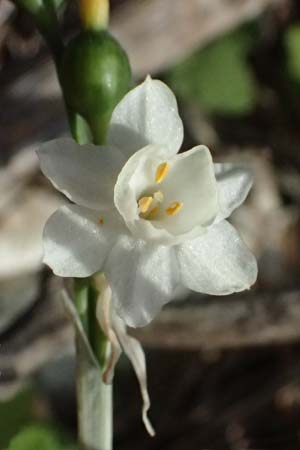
(96,75)
(94,14)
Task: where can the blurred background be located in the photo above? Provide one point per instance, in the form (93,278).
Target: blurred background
(224,373)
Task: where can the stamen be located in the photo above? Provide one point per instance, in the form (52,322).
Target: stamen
(161,172)
(153,212)
(144,204)
(100,221)
(174,208)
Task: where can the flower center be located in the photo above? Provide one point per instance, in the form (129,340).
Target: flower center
(150,206)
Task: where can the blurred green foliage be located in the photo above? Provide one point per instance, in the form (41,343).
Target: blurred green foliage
(15,414)
(38,437)
(22,429)
(218,77)
(292,48)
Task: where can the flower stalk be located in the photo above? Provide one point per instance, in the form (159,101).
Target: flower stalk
(94,404)
(44,14)
(94,397)
(104,78)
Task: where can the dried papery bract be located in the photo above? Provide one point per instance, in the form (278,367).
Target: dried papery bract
(116,332)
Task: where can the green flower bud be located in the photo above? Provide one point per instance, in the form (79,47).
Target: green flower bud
(95,74)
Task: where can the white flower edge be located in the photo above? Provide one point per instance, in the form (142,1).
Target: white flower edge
(217,263)
(76,242)
(148,114)
(234,182)
(75,171)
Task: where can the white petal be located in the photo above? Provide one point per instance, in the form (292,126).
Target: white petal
(147,115)
(75,243)
(86,174)
(143,278)
(190,181)
(234,184)
(135,353)
(217,263)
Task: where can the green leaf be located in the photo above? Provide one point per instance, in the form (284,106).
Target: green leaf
(218,77)
(34,437)
(292,47)
(37,437)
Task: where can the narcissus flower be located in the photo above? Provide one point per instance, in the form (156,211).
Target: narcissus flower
(150,219)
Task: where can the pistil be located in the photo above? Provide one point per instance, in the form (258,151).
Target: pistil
(150,206)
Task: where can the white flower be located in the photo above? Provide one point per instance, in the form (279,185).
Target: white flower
(152,220)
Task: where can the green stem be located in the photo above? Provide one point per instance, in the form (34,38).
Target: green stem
(79,128)
(94,405)
(47,23)
(97,339)
(94,398)
(81,300)
(99,126)
(44,15)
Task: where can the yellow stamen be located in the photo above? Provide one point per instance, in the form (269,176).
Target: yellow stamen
(174,208)
(100,221)
(144,204)
(153,212)
(161,172)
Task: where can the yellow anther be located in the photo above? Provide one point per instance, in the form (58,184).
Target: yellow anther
(144,204)
(161,172)
(153,212)
(100,221)
(174,208)
(158,196)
